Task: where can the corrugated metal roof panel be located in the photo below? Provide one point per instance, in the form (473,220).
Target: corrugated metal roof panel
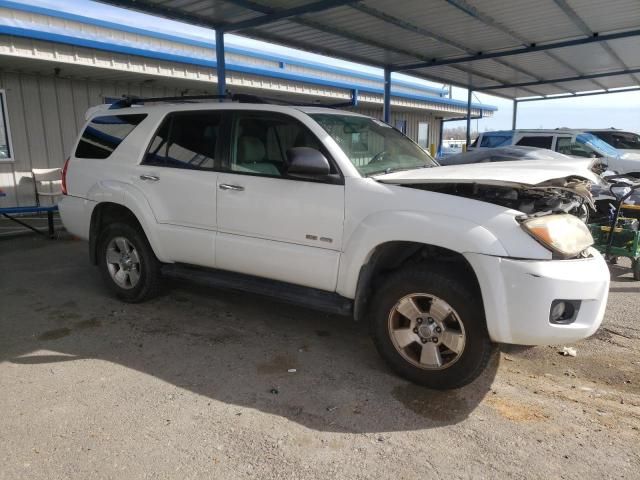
(627,50)
(610,15)
(459,27)
(525,20)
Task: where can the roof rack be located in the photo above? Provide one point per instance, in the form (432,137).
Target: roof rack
(130,100)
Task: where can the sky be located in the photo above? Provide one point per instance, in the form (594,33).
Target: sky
(619,110)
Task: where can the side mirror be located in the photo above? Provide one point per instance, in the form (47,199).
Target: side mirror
(307,161)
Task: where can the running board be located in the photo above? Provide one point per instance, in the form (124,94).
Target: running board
(287,292)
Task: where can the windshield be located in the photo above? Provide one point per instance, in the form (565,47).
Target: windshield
(373,146)
(600,146)
(623,140)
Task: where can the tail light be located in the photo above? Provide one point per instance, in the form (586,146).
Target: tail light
(64,177)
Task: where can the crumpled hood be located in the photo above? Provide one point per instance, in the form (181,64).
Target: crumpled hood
(525,173)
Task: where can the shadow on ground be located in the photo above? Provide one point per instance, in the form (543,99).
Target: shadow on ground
(231,347)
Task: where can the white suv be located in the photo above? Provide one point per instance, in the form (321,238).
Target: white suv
(343,213)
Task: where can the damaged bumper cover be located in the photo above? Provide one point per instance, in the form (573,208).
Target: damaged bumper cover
(518,296)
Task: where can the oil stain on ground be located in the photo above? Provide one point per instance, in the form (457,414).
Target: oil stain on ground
(54,334)
(277,364)
(63,332)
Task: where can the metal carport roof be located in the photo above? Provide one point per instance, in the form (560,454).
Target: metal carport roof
(513,49)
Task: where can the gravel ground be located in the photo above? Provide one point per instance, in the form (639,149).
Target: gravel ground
(195,384)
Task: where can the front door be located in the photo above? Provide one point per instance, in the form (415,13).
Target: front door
(270,224)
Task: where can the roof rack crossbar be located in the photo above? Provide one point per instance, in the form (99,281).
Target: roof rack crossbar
(129,100)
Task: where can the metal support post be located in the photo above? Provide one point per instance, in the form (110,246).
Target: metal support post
(386,108)
(469,93)
(220,63)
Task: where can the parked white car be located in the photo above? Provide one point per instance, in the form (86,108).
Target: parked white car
(627,143)
(340,212)
(517,153)
(575,143)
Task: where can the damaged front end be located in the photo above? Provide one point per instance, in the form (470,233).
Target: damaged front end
(570,195)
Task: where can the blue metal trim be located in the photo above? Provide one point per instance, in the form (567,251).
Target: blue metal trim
(386,96)
(33,209)
(109,47)
(253,70)
(285,59)
(99,23)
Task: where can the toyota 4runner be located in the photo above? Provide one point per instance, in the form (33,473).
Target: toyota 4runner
(340,212)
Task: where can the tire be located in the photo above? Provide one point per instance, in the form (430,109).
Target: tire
(137,277)
(443,301)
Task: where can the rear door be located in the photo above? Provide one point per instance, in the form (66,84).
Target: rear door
(178,178)
(270,224)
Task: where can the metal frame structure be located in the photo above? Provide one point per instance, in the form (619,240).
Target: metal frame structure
(311,17)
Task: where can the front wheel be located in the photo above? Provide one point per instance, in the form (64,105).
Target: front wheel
(429,326)
(127,263)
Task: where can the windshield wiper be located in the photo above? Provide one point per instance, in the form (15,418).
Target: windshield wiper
(396,169)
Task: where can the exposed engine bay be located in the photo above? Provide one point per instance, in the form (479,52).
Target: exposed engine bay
(557,196)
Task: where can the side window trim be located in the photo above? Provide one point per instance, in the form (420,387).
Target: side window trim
(232,120)
(170,117)
(84,145)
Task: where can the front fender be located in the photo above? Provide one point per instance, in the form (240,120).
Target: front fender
(457,234)
(132,198)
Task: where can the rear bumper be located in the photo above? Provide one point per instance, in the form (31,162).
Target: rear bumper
(75,213)
(518,294)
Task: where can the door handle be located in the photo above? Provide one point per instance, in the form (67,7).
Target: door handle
(235,188)
(150,178)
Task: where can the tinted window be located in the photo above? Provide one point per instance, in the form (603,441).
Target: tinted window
(186,140)
(600,147)
(103,134)
(492,141)
(260,143)
(623,140)
(540,142)
(563,145)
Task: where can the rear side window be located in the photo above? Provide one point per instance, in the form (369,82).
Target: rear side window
(540,142)
(492,141)
(186,140)
(103,134)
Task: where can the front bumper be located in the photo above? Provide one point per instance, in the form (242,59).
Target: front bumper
(518,294)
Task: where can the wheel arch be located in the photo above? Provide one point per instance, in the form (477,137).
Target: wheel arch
(394,255)
(106,213)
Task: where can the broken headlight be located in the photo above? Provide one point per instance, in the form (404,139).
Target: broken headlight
(563,234)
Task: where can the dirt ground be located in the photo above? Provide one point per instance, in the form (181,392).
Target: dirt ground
(195,384)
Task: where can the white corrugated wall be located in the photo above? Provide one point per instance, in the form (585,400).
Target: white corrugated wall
(45,115)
